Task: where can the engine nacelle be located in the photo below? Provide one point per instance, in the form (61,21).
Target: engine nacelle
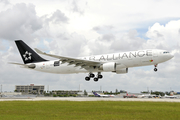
(114,67)
(110,66)
(122,71)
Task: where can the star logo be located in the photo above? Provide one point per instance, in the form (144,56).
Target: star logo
(27,56)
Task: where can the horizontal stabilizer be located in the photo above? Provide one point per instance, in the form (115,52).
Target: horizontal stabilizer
(17,63)
(23,65)
(32,66)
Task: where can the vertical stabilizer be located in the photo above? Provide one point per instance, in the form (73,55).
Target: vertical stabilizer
(28,55)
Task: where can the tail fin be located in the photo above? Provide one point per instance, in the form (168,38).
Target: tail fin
(95,94)
(27,54)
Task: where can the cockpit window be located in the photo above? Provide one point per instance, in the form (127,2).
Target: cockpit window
(165,52)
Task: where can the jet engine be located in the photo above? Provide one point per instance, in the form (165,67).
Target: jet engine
(110,66)
(122,71)
(114,67)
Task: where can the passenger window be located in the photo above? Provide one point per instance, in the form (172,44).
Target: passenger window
(56,63)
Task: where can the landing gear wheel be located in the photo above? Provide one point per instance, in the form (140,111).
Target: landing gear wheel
(155,69)
(91,75)
(100,76)
(87,78)
(95,79)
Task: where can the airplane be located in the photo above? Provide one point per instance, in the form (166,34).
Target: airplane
(148,96)
(130,96)
(118,63)
(166,96)
(100,95)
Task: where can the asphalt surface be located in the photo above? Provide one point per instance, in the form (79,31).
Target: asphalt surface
(90,99)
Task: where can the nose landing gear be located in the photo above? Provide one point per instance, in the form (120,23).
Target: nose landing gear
(155,69)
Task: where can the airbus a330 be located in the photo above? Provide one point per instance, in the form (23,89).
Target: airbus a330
(116,62)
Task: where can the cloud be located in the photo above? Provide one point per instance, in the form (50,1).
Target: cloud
(106,32)
(161,36)
(5,2)
(67,44)
(78,6)
(129,41)
(105,29)
(2,46)
(19,22)
(58,17)
(108,37)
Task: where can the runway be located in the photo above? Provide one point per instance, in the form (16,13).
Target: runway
(90,99)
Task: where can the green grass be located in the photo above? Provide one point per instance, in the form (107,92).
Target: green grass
(100,110)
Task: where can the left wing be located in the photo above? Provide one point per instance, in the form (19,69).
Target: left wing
(73,61)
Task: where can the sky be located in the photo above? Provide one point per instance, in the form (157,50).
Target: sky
(78,28)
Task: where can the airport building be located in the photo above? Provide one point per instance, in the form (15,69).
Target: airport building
(30,88)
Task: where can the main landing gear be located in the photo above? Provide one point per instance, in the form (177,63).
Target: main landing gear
(91,75)
(155,69)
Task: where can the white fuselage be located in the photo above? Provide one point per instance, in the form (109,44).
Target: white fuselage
(124,59)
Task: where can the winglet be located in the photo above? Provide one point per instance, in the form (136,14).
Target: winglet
(39,51)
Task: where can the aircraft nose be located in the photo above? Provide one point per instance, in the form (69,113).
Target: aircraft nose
(171,56)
